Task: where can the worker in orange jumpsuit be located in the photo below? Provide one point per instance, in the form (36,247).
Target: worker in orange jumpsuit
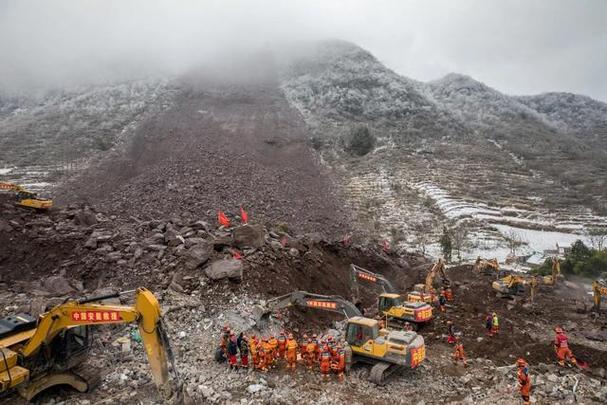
(302,346)
(338,363)
(223,342)
(325,362)
(317,347)
(524,380)
(273,346)
(291,352)
(253,351)
(459,353)
(262,356)
(448,293)
(311,349)
(282,345)
(269,353)
(561,346)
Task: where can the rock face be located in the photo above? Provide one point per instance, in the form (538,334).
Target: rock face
(197,255)
(228,268)
(248,236)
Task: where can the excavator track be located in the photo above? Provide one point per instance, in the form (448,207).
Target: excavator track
(381,371)
(89,375)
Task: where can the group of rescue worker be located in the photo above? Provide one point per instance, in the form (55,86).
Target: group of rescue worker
(328,355)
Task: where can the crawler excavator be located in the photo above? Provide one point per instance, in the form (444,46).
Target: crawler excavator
(510,286)
(599,290)
(487,267)
(27,199)
(556,272)
(391,304)
(50,351)
(387,351)
(426,292)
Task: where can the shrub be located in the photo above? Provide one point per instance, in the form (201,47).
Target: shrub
(359,141)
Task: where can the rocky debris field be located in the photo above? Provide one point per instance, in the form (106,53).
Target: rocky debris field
(192,269)
(217,147)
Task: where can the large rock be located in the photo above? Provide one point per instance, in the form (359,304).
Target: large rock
(57,285)
(227,268)
(5,226)
(85,217)
(197,255)
(248,236)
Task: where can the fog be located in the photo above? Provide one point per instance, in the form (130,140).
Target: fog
(519,47)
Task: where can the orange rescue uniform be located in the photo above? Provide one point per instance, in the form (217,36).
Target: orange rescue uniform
(524,383)
(325,363)
(291,351)
(459,353)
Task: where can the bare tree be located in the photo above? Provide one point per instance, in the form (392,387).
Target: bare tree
(459,237)
(514,241)
(597,237)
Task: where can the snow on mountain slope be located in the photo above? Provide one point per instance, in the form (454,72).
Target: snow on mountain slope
(341,83)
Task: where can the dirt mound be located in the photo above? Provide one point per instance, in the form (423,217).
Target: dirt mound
(218,147)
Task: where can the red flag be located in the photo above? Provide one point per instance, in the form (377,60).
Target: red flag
(244,216)
(222,219)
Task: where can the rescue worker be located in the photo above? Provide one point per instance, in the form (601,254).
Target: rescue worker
(273,348)
(282,345)
(459,353)
(302,346)
(311,349)
(243,347)
(448,292)
(450,332)
(489,324)
(442,302)
(524,380)
(262,356)
(269,358)
(232,352)
(325,362)
(253,351)
(338,362)
(495,324)
(291,352)
(561,346)
(223,342)
(533,284)
(317,347)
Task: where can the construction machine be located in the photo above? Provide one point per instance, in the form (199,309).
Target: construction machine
(510,286)
(599,289)
(387,351)
(556,272)
(390,304)
(426,292)
(487,267)
(52,350)
(27,199)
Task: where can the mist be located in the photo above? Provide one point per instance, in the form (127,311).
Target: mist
(519,47)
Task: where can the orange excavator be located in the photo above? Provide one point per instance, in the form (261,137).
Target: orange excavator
(390,304)
(488,267)
(36,354)
(27,199)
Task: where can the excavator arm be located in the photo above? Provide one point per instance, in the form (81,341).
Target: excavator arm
(27,199)
(331,303)
(439,267)
(358,273)
(145,312)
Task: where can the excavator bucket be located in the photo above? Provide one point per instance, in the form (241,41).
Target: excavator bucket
(261,315)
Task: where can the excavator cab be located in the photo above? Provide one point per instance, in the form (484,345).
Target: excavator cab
(360,331)
(70,347)
(388,301)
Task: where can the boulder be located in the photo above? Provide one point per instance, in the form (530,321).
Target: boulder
(5,226)
(227,268)
(57,285)
(197,255)
(248,236)
(113,257)
(85,217)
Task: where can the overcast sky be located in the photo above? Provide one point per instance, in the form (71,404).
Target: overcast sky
(517,46)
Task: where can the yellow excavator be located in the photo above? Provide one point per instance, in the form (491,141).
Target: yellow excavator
(599,289)
(487,267)
(426,292)
(51,351)
(390,304)
(387,351)
(510,286)
(27,199)
(556,272)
